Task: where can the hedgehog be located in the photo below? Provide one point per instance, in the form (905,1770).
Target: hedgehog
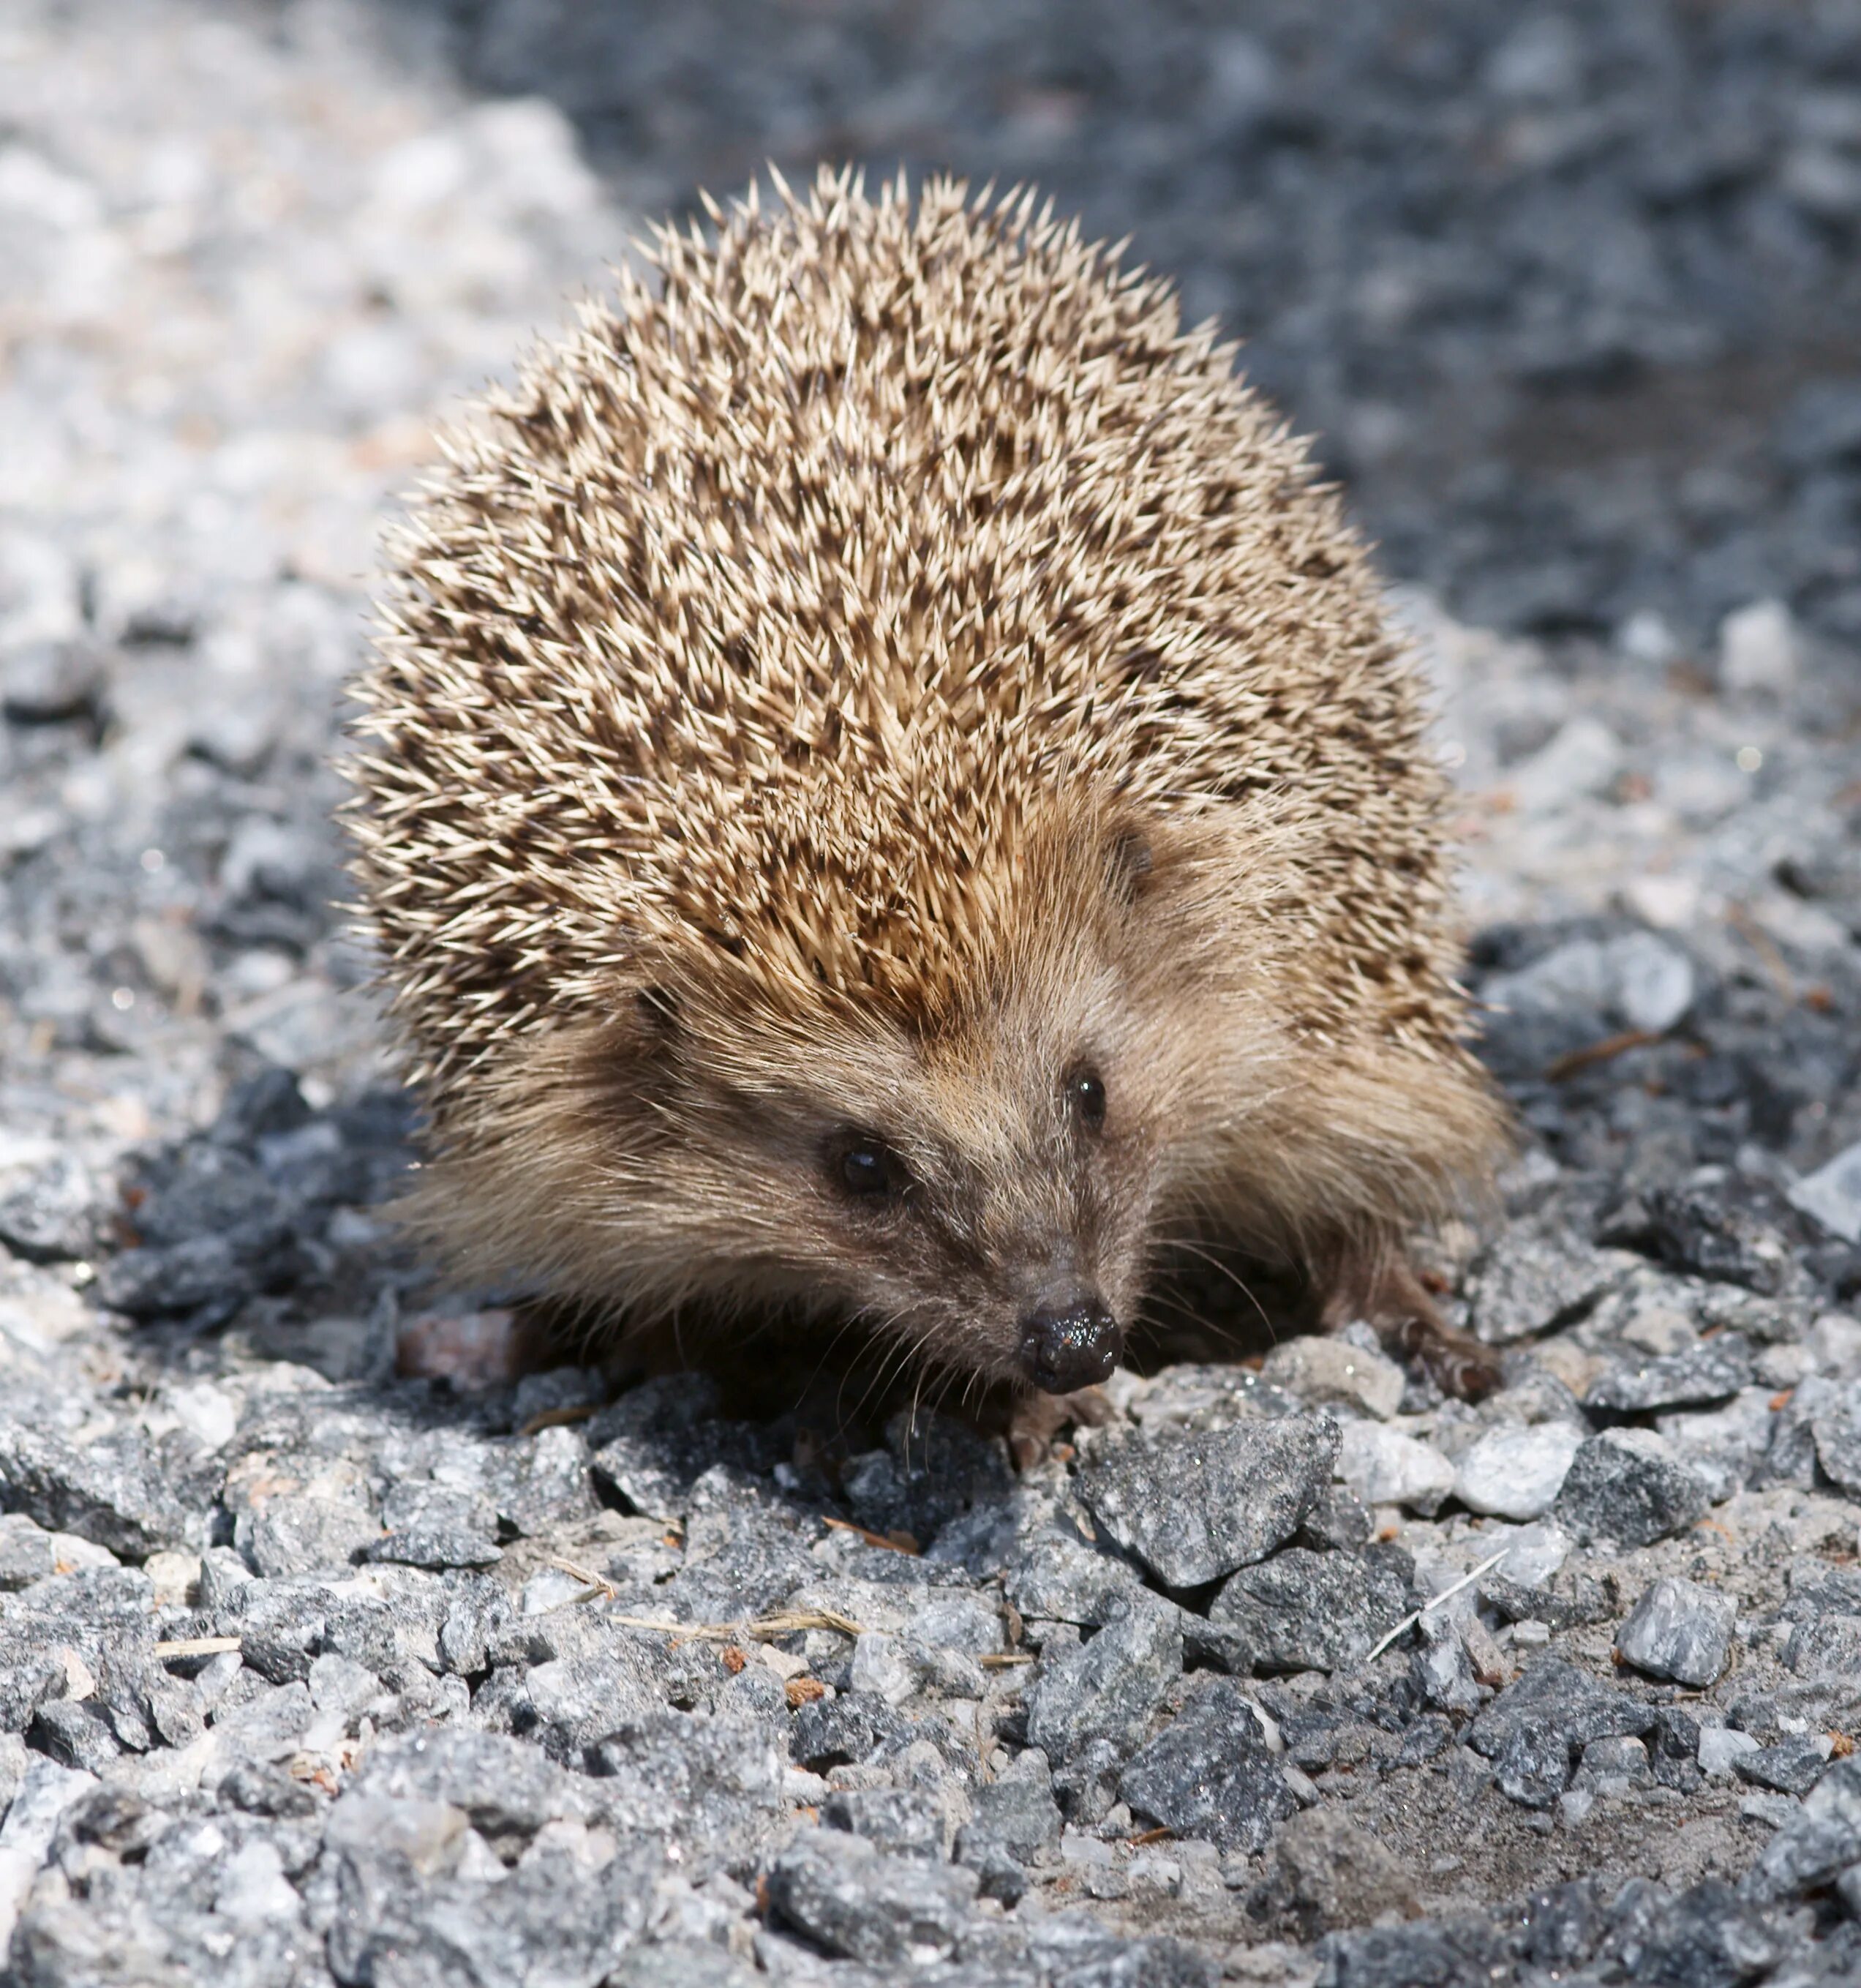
(887,797)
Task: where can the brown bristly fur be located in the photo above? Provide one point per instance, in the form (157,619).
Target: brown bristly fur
(850,682)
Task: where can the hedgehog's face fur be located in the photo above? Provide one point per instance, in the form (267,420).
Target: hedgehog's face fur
(972,1181)
(980,1189)
(981,1193)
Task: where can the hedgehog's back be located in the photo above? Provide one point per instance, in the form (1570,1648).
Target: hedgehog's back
(774,601)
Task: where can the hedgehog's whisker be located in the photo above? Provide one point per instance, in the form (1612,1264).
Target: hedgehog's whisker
(1215,1262)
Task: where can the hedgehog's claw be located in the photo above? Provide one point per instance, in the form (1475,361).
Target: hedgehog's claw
(1456,1364)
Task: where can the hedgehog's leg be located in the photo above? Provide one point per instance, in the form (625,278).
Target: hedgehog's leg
(1036,1419)
(1379,1285)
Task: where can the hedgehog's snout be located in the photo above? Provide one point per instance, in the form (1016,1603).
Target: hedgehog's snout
(1068,1340)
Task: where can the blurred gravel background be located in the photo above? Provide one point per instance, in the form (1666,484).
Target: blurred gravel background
(312,1668)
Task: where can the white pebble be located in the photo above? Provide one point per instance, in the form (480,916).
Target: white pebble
(1534,1553)
(1832,1194)
(1583,758)
(1719,1746)
(1322,1369)
(1516,1473)
(251,1887)
(1382,1466)
(881,1664)
(1757,647)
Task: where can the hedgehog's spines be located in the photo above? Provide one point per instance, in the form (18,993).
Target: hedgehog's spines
(794,614)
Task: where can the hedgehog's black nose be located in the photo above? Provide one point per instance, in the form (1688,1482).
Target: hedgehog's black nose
(1069,1342)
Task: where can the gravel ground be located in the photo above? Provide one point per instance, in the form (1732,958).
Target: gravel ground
(314,1668)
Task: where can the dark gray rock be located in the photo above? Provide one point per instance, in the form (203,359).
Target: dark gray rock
(1106,1688)
(57,1215)
(707,1780)
(259,1788)
(1534,1278)
(1628,1486)
(1440,1670)
(1012,1821)
(1326,1872)
(1679,1630)
(848,1898)
(932,1470)
(1733,1232)
(1710,1371)
(1306,1610)
(408,1908)
(1533,1766)
(1086,1782)
(1553,1688)
(1209,1774)
(1195,1505)
(579,1701)
(1058,1576)
(431,1526)
(27,1553)
(477,1610)
(265,1722)
(535,1483)
(1821,1841)
(118,1491)
(1336,1523)
(848,1729)
(902,1822)
(211,1228)
(652,1446)
(743,1557)
(204,1273)
(1443,1951)
(1792,1766)
(1827,1646)
(76,1735)
(1074,1953)
(1674,1747)
(506,1791)
(1561,1927)
(1530,1731)
(1834,1419)
(1708,1934)
(1424,1739)
(301,1534)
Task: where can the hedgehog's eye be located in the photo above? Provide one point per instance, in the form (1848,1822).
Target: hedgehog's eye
(866,1166)
(1085,1093)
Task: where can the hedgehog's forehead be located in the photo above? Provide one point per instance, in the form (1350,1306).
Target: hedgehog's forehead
(913,907)
(968,987)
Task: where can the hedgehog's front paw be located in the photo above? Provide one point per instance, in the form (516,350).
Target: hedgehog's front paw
(1037,1419)
(1383,1289)
(1456,1364)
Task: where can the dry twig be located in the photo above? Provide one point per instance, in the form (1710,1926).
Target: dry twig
(1409,1622)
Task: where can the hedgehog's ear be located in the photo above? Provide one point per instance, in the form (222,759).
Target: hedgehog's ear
(642,1028)
(655,1011)
(1130,862)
